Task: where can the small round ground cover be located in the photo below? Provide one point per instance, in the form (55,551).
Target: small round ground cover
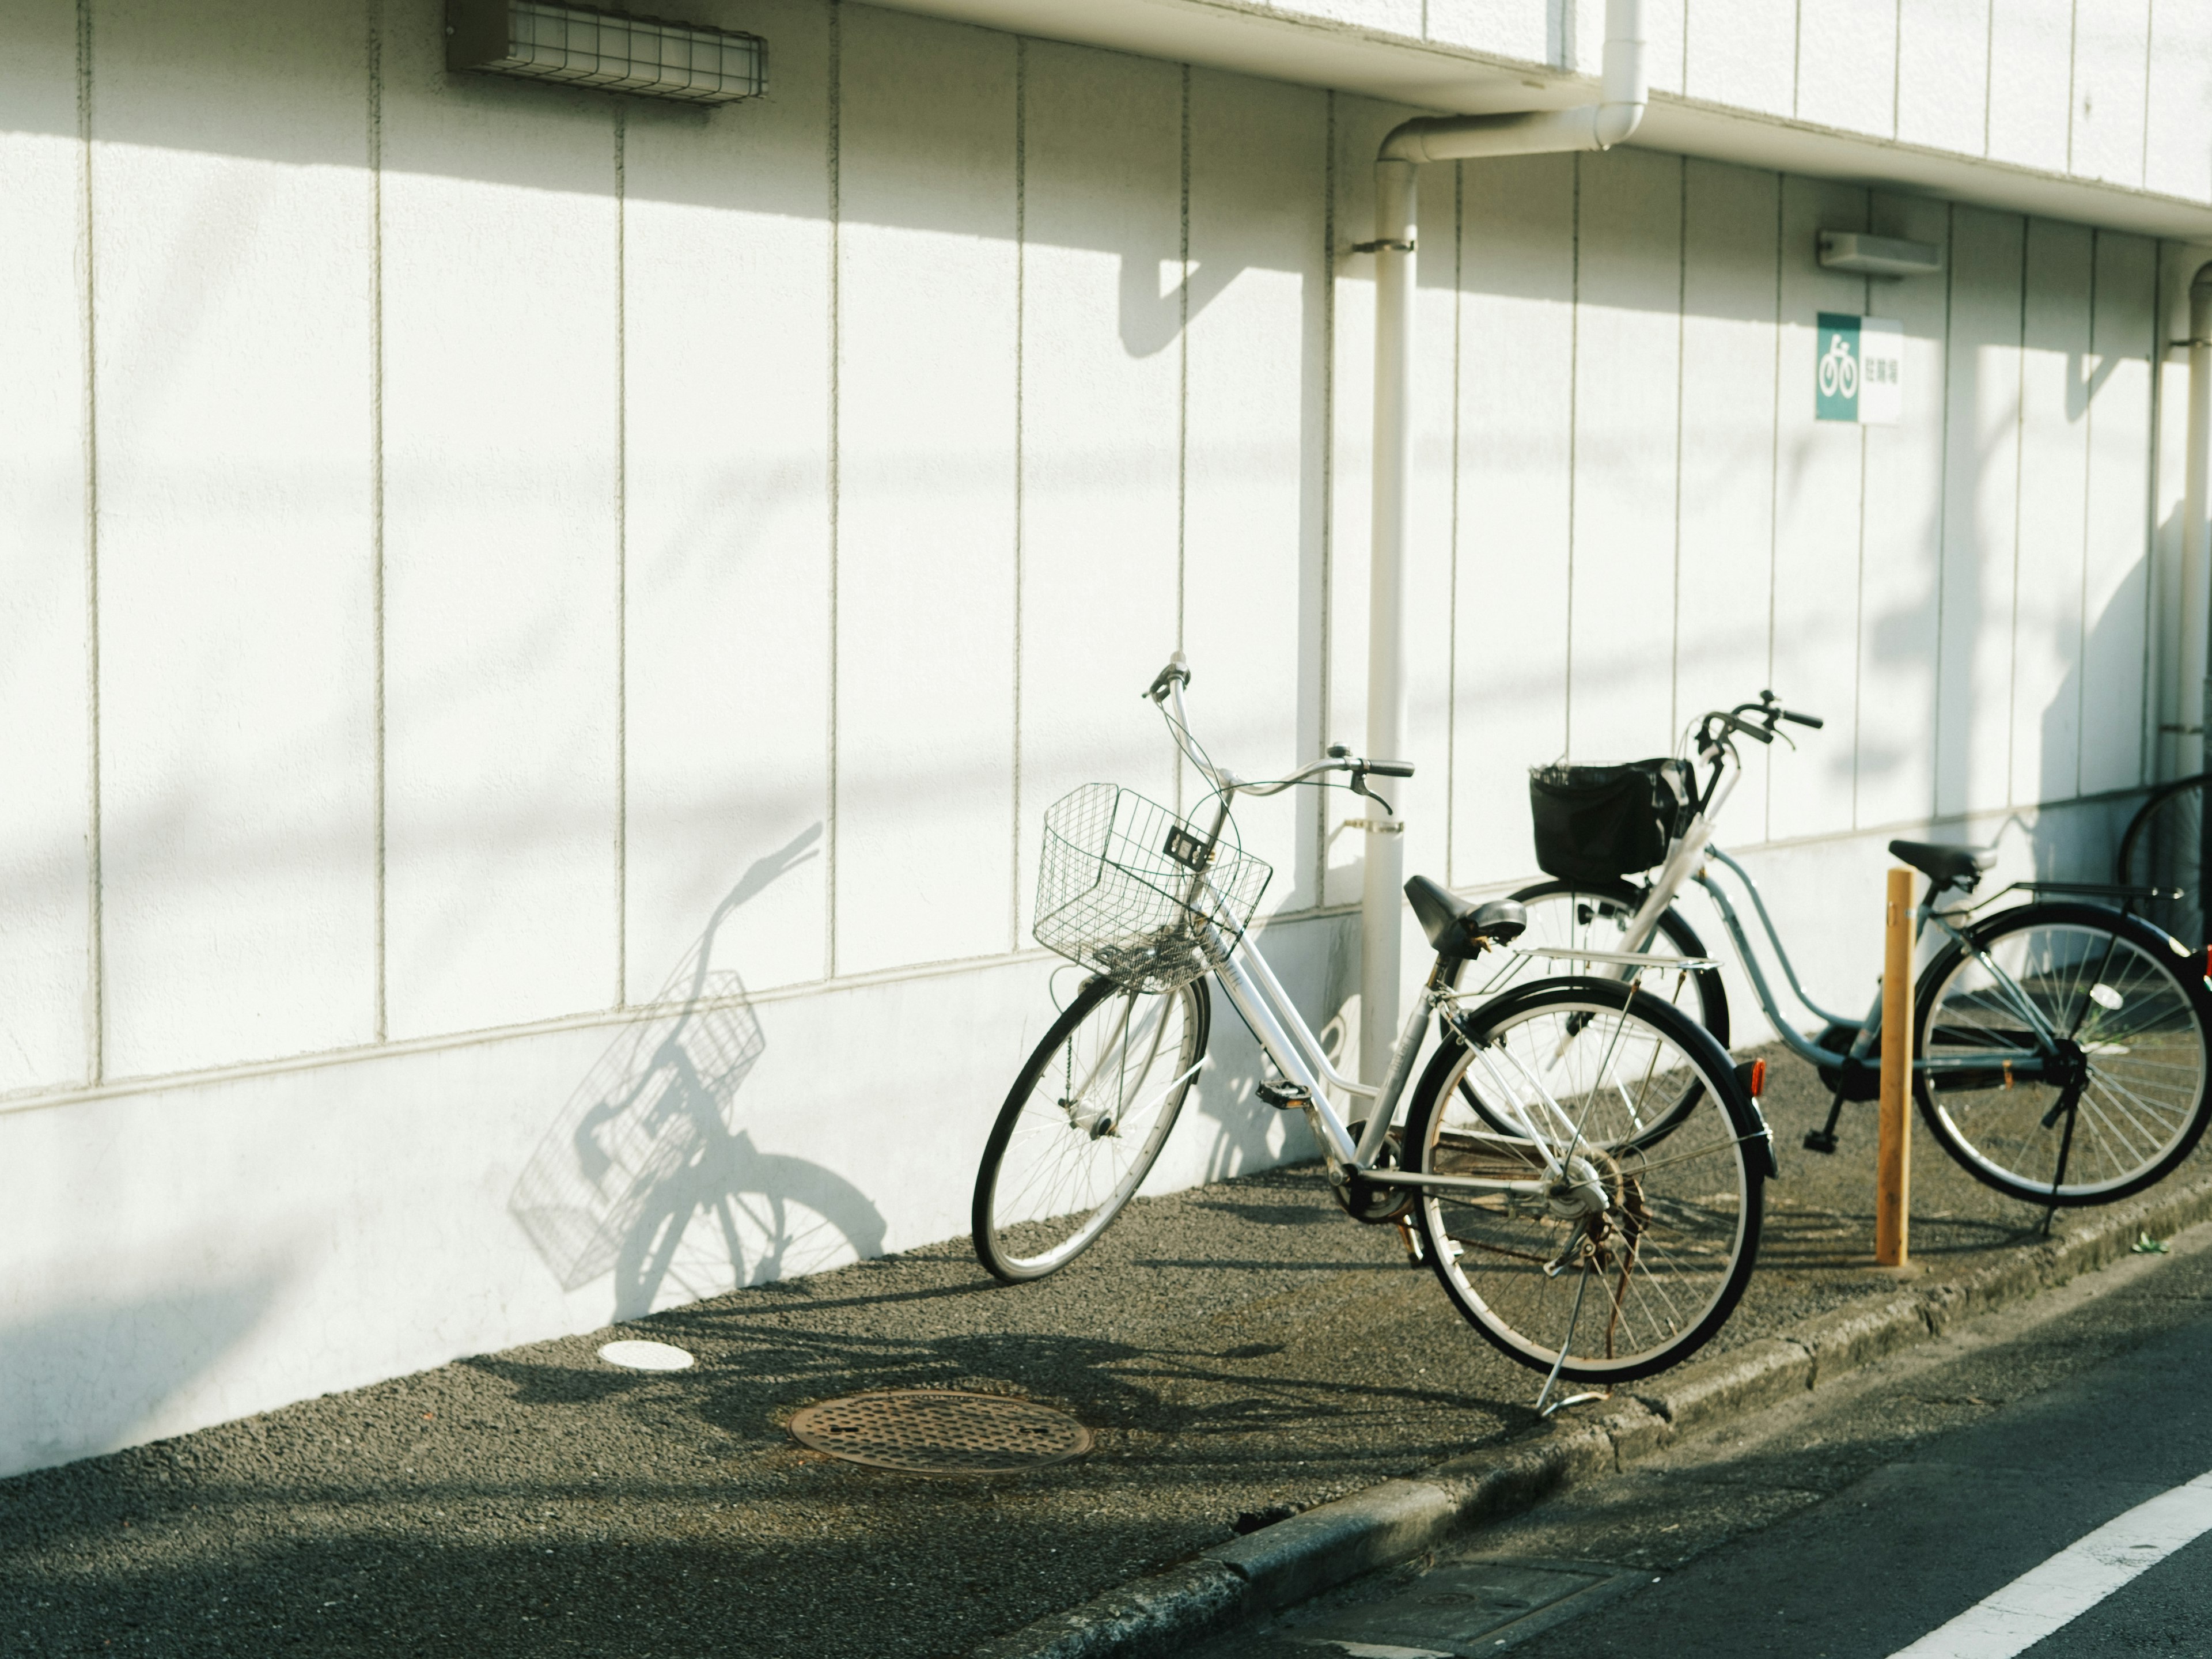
(940,1431)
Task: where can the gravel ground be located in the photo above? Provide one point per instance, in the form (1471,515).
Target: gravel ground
(1236,1348)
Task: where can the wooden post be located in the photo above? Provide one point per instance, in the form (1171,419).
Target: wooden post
(1893,1201)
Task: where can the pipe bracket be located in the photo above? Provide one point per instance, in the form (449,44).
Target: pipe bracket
(1377,247)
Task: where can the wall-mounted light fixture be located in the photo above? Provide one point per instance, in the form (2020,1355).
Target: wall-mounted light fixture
(1879,256)
(587,47)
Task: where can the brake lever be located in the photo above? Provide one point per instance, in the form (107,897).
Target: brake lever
(1358,786)
(1176,671)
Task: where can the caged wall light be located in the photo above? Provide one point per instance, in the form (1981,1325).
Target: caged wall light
(587,47)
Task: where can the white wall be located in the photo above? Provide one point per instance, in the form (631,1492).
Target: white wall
(509,590)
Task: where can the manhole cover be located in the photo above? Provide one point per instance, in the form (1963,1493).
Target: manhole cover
(934,1432)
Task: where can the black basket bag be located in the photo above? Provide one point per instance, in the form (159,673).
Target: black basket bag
(1601,823)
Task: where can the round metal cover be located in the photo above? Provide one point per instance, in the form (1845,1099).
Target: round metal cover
(935,1432)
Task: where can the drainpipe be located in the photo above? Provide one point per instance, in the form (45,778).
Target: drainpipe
(2196,698)
(1436,138)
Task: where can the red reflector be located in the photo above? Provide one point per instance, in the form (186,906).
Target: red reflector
(2208,962)
(1758,1076)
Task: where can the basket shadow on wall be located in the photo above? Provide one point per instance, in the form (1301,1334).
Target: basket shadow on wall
(646,1173)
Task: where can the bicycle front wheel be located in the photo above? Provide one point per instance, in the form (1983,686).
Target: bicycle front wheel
(2119,1012)
(1624,1219)
(1083,1124)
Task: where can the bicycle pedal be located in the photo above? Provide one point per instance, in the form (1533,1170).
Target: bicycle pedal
(1820,1140)
(1285,1097)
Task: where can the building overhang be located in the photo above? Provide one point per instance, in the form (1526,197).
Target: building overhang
(1282,45)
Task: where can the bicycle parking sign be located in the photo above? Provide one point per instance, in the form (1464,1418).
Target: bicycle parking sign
(1859,373)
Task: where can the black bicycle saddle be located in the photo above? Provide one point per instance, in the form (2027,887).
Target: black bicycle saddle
(1458,928)
(1947,867)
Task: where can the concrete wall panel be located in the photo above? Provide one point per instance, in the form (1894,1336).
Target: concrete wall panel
(2054,461)
(1980,512)
(1900,637)
(1847,66)
(1742,52)
(727,338)
(46,723)
(1943,74)
(2178,100)
(501,401)
(1729,292)
(2116,646)
(1104,292)
(1516,454)
(1627,402)
(1256,434)
(231,246)
(1818,544)
(2031,82)
(925,808)
(2111,67)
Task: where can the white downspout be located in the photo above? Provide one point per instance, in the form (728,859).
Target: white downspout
(2194,706)
(1436,138)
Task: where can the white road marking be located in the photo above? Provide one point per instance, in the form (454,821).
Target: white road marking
(2070,1582)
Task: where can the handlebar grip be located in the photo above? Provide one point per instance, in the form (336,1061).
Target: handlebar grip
(1745,726)
(1812,720)
(1388,768)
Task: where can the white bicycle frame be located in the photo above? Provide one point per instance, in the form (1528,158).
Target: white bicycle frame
(1297,1053)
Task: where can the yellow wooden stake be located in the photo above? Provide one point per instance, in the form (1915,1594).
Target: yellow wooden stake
(1892,1200)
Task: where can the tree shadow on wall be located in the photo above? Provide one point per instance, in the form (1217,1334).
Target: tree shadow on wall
(645,1174)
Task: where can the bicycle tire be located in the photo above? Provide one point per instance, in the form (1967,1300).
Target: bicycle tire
(1679,1234)
(1050,1182)
(2146,1058)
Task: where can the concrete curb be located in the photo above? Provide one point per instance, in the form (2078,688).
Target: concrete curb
(1296,1559)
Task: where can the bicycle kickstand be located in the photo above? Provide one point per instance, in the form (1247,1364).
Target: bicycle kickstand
(1414,1254)
(1823,1140)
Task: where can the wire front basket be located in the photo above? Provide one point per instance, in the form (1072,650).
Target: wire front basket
(1129,889)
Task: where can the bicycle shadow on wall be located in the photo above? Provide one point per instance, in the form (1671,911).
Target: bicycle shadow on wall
(645,1174)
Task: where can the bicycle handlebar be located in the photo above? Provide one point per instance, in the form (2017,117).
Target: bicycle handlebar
(1178,672)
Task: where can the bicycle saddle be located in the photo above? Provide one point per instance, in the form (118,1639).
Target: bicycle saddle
(1947,867)
(1456,927)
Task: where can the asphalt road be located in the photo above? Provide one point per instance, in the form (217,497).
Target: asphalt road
(1854,1523)
(1236,1349)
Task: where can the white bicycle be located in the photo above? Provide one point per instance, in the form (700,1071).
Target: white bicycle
(1580,1163)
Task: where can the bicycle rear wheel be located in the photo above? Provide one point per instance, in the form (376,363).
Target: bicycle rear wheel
(2121,1103)
(1597,1074)
(1085,1123)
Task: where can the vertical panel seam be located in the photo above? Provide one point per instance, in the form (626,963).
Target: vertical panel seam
(1897,70)
(834,159)
(1943,507)
(379,805)
(2088,514)
(1451,594)
(1682,377)
(621,558)
(2019,451)
(1182,396)
(95,945)
(1774,489)
(2147,733)
(1858,585)
(1989,67)
(1574,419)
(2073,74)
(1020,330)
(1326,644)
(2150,58)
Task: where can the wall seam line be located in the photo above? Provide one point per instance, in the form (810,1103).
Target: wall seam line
(621,557)
(1774,487)
(1021,330)
(1326,645)
(2019,453)
(2088,517)
(1943,506)
(1183,401)
(1451,596)
(834,138)
(1574,431)
(1681,378)
(1858,585)
(95,873)
(381,1022)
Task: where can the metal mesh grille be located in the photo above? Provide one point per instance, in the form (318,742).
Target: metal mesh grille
(1129,889)
(929,1431)
(631,54)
